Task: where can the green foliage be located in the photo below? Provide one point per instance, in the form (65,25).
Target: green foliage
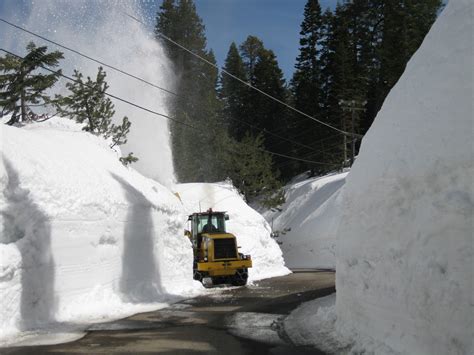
(89,104)
(129,159)
(251,50)
(264,73)
(119,133)
(356,52)
(194,151)
(233,93)
(250,169)
(361,51)
(23,83)
(307,86)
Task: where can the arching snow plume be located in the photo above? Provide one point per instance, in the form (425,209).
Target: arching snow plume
(101,29)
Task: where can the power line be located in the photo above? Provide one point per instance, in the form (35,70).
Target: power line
(237,78)
(88,57)
(141,79)
(309,155)
(157,113)
(166,90)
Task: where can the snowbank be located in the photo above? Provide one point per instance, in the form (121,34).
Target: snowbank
(308,221)
(251,229)
(82,238)
(405,250)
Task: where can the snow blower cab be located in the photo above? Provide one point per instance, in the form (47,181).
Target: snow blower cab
(216,256)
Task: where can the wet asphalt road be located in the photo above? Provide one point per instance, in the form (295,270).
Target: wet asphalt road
(244,320)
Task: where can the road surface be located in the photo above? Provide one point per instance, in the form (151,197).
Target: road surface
(243,320)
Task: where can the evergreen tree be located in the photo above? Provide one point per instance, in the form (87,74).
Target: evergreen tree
(23,84)
(267,113)
(88,104)
(263,72)
(251,50)
(403,27)
(342,81)
(246,163)
(193,150)
(306,84)
(233,93)
(251,170)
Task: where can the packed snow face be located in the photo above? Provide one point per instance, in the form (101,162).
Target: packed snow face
(82,238)
(308,221)
(405,248)
(104,31)
(250,228)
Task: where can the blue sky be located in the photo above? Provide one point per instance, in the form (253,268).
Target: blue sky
(276,22)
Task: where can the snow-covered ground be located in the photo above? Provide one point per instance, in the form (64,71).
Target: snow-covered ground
(84,239)
(405,248)
(250,228)
(308,220)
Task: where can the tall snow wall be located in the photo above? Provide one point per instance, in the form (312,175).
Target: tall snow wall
(81,236)
(307,222)
(405,245)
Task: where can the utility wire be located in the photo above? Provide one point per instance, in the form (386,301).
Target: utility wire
(157,113)
(142,80)
(325,151)
(88,57)
(240,80)
(166,90)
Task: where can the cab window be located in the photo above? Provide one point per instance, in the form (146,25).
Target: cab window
(217,223)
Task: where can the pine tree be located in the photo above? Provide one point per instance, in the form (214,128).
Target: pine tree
(264,73)
(251,170)
(233,93)
(400,29)
(23,84)
(89,104)
(198,106)
(119,133)
(268,77)
(251,50)
(306,84)
(340,80)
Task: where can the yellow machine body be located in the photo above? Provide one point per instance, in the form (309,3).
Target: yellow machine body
(222,266)
(216,255)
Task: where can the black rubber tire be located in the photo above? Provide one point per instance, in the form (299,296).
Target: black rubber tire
(240,278)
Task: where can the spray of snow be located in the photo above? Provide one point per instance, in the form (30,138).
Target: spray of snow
(405,242)
(102,30)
